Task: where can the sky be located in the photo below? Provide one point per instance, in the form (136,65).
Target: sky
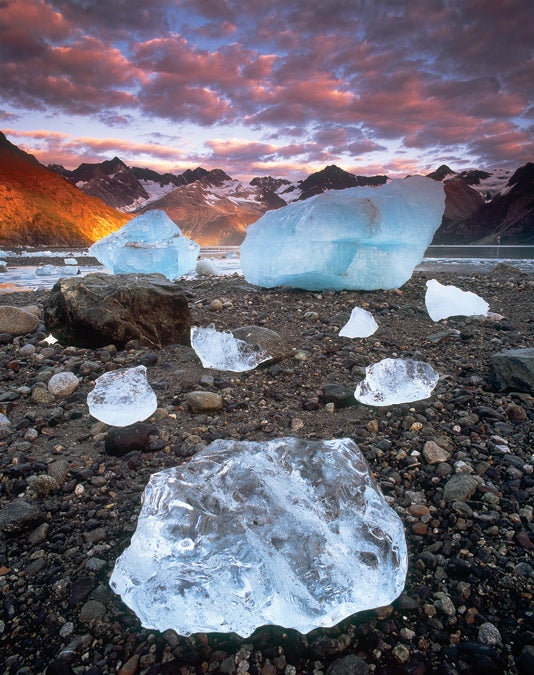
(270,87)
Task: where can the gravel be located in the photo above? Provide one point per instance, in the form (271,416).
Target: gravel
(457,468)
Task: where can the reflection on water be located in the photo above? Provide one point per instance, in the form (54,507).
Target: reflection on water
(455,259)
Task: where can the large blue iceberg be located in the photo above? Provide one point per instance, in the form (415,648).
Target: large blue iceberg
(360,238)
(149,243)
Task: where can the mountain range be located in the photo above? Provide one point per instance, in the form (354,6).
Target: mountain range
(55,206)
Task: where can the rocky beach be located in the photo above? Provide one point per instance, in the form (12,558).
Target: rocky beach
(456,467)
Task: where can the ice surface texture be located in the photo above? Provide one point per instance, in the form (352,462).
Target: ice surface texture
(146,244)
(444,301)
(122,397)
(360,325)
(288,532)
(358,238)
(222,351)
(392,381)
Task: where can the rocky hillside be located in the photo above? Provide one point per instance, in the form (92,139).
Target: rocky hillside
(214,209)
(39,207)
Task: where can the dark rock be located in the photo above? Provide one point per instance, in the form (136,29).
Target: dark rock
(338,394)
(122,440)
(483,659)
(19,515)
(513,370)
(348,665)
(102,309)
(525,663)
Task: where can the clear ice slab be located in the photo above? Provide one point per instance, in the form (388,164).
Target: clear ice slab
(122,397)
(393,381)
(149,243)
(361,238)
(288,532)
(222,351)
(360,325)
(444,301)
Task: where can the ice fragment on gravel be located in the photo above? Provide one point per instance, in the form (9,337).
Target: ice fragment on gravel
(444,301)
(393,381)
(207,267)
(222,351)
(360,325)
(149,243)
(358,238)
(288,532)
(122,397)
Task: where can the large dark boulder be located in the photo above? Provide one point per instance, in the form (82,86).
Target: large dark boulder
(102,309)
(513,370)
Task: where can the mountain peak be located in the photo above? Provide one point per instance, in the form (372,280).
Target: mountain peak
(441,172)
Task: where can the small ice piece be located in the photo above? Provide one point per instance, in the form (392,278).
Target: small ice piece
(122,397)
(360,325)
(207,267)
(444,301)
(360,238)
(56,270)
(222,351)
(289,531)
(392,381)
(70,261)
(147,244)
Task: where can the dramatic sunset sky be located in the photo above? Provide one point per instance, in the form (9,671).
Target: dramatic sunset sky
(270,87)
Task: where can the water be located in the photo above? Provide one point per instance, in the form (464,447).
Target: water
(455,259)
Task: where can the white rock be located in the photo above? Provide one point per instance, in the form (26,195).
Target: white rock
(122,397)
(63,384)
(360,325)
(393,381)
(444,301)
(288,532)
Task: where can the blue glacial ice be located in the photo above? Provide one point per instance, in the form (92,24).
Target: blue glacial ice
(360,238)
(149,243)
(290,532)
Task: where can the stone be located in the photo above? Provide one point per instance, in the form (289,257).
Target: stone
(360,325)
(204,401)
(348,665)
(360,238)
(393,381)
(19,515)
(338,394)
(5,426)
(222,351)
(288,532)
(63,384)
(122,440)
(460,487)
(122,397)
(513,370)
(17,321)
(434,453)
(263,339)
(148,243)
(100,309)
(444,301)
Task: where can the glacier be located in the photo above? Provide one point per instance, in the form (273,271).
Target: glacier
(394,381)
(443,301)
(361,238)
(149,243)
(122,397)
(290,532)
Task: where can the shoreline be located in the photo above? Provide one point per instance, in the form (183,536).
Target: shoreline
(467,603)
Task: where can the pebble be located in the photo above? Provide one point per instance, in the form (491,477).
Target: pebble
(489,634)
(434,453)
(63,384)
(460,487)
(204,401)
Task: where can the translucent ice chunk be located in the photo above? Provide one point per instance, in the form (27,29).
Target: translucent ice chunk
(207,267)
(358,238)
(59,270)
(288,532)
(360,325)
(122,397)
(443,301)
(222,351)
(393,381)
(148,243)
